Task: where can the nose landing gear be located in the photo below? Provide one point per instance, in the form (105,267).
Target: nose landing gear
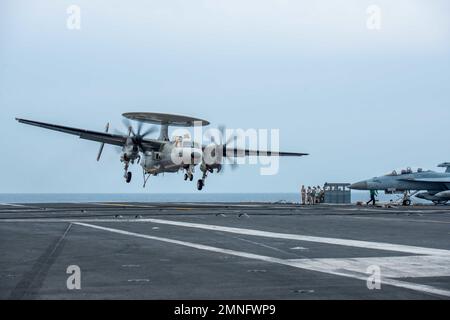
(189,173)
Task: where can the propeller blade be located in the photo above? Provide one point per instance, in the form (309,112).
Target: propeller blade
(127,124)
(149,131)
(209,136)
(222,146)
(234,166)
(223,131)
(139,129)
(140,146)
(231,139)
(212,138)
(102,145)
(100,151)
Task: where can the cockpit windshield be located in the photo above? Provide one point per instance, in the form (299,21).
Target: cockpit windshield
(185,142)
(190,144)
(408,170)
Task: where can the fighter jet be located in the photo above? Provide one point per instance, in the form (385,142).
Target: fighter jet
(435,185)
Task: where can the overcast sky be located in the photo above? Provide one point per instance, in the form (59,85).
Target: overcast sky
(360,101)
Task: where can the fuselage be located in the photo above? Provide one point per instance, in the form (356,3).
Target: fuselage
(404,182)
(436,186)
(172,157)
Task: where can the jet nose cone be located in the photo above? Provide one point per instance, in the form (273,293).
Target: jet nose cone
(362,185)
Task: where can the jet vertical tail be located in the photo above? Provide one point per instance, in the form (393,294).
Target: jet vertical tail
(445,165)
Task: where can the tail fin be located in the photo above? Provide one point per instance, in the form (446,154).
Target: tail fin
(445,165)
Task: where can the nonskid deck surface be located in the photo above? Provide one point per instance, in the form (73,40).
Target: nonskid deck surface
(223,251)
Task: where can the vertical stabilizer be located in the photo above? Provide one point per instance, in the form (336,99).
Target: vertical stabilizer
(445,165)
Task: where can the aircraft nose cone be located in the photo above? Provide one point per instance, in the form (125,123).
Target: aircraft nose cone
(362,185)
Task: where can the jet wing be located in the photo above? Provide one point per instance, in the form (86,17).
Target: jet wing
(108,138)
(430,180)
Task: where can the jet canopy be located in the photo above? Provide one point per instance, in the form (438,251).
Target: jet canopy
(400,172)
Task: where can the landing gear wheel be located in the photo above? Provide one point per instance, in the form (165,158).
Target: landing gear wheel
(186,177)
(200,184)
(128,177)
(191,177)
(407,203)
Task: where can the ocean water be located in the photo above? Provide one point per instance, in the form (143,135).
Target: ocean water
(169,197)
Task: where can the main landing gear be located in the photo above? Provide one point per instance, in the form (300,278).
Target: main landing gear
(406,201)
(127,160)
(201,182)
(127,175)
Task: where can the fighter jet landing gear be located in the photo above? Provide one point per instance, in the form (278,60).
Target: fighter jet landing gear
(406,201)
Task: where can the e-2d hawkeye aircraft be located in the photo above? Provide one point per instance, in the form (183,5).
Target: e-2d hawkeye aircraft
(162,155)
(435,184)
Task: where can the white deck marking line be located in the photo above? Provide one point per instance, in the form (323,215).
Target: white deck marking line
(21,211)
(333,241)
(295,264)
(396,220)
(139,280)
(251,232)
(393,210)
(391,267)
(118,204)
(15,205)
(263,245)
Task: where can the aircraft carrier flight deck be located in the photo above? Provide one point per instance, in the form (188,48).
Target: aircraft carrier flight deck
(224,251)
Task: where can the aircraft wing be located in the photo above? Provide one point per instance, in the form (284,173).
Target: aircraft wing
(234,152)
(104,137)
(430,180)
